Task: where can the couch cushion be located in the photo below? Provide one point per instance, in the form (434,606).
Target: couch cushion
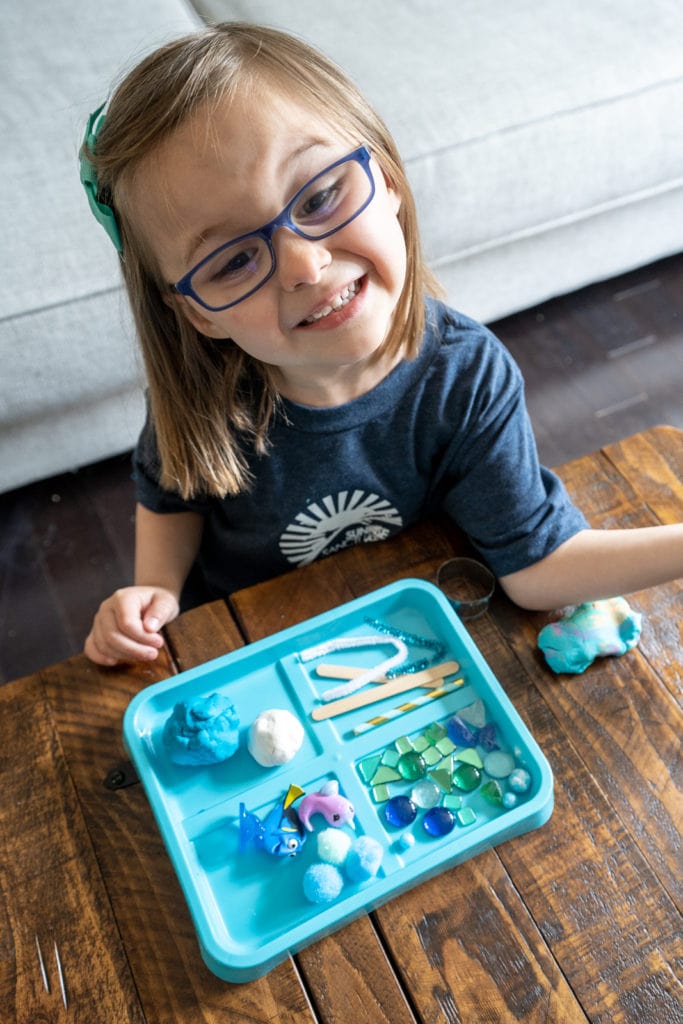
(71,385)
(515,120)
(58,61)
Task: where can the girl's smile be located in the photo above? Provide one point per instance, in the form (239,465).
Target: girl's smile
(329,314)
(322,317)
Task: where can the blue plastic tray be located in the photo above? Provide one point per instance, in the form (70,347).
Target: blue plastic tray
(249,909)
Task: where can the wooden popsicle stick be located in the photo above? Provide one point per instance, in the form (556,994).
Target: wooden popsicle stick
(399,685)
(330,671)
(428,677)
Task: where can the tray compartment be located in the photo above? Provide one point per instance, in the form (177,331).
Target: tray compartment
(383,764)
(249,910)
(271,896)
(187,787)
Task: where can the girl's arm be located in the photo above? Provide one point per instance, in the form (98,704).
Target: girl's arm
(165,547)
(596,564)
(127,624)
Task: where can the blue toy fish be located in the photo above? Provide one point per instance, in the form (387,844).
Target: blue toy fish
(280,833)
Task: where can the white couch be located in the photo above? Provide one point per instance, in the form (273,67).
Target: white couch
(543,142)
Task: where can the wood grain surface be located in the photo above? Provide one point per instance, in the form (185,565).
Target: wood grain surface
(577,921)
(50,882)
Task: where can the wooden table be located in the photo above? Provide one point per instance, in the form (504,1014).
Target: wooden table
(577,921)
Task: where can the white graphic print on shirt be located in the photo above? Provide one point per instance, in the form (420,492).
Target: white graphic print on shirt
(335,523)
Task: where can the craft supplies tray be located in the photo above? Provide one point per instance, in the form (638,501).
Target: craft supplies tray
(434,775)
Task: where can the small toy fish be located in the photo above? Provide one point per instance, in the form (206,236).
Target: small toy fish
(328,801)
(280,833)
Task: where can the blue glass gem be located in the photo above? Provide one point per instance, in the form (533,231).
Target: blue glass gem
(486,737)
(438,821)
(460,733)
(400,811)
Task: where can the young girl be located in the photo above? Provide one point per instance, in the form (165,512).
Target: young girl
(306,390)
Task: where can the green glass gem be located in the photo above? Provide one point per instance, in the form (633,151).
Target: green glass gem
(466,777)
(442,778)
(431,756)
(452,801)
(368,766)
(470,756)
(411,766)
(384,774)
(445,746)
(493,793)
(380,794)
(466,816)
(435,732)
(403,744)
(420,743)
(390,757)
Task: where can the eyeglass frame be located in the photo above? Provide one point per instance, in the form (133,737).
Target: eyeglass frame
(361,155)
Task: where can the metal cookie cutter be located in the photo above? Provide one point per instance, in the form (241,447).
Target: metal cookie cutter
(467,584)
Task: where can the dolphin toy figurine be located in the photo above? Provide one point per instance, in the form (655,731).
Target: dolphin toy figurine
(328,801)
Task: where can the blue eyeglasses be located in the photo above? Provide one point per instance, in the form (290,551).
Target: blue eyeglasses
(325,204)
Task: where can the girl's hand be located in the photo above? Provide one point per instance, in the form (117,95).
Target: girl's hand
(126,626)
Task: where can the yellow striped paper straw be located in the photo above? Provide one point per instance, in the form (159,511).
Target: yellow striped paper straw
(372,723)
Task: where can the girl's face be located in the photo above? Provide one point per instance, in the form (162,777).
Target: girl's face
(228,172)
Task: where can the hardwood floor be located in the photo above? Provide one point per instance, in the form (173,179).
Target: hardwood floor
(604,362)
(599,364)
(66,543)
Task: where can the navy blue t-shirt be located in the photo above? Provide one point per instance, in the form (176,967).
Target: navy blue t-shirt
(447,431)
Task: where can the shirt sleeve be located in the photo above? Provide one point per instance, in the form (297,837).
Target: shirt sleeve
(514,511)
(146,474)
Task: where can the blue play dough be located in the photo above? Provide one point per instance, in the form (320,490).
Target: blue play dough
(201,732)
(363,859)
(322,883)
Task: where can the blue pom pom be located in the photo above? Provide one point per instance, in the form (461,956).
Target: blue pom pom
(322,883)
(363,859)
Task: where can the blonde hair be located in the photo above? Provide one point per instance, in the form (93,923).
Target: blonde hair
(208,399)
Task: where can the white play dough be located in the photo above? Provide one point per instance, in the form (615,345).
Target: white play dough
(275,736)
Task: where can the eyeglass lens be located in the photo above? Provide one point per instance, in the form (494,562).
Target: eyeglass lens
(327,203)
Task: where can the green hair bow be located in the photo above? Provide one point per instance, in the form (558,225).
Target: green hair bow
(102,211)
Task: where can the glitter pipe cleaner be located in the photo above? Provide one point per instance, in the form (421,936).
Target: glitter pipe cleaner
(410,638)
(402,709)
(372,674)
